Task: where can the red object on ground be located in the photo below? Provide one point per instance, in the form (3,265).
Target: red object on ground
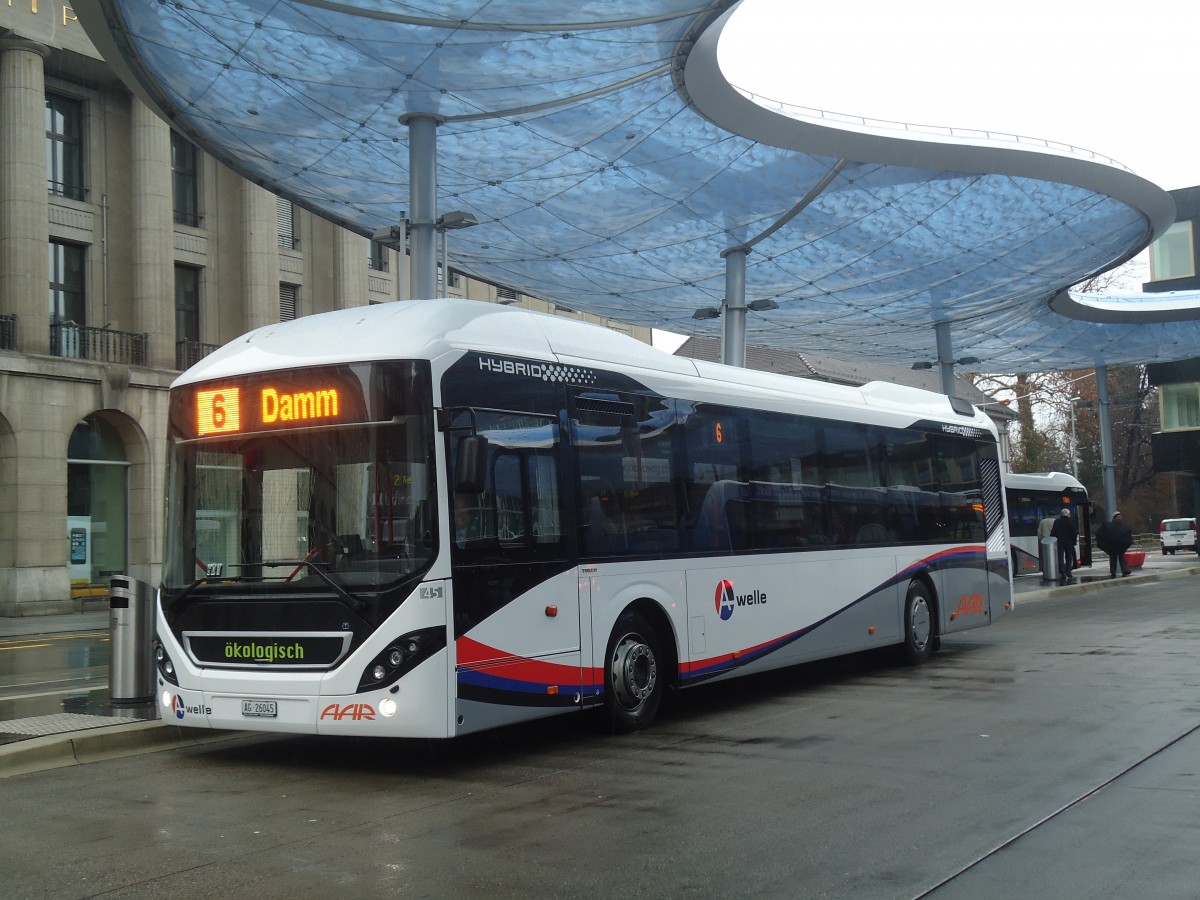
(1135,558)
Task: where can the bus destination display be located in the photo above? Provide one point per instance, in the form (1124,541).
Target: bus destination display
(231,409)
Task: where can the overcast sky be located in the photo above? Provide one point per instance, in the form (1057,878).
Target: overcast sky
(1114,78)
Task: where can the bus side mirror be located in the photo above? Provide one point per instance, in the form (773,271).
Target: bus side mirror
(470,468)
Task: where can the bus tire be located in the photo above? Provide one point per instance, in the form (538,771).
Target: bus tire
(919,634)
(633,688)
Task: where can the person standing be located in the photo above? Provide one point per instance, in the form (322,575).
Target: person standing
(1114,538)
(1065,535)
(1045,527)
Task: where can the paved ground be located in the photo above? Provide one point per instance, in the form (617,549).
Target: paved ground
(67,717)
(1053,755)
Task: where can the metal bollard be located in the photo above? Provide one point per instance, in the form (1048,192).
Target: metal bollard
(1049,558)
(131,630)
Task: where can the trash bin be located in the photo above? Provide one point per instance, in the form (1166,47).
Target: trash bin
(1048,550)
(131,630)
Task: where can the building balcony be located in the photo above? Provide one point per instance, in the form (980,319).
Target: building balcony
(101,344)
(188,353)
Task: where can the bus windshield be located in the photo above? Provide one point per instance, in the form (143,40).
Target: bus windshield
(335,507)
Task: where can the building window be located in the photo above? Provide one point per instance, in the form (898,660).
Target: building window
(97,506)
(1180,406)
(1173,254)
(67,298)
(187,303)
(289,302)
(378,260)
(285,214)
(68,301)
(64,146)
(503,293)
(185,181)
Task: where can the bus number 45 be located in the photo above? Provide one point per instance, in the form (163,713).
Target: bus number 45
(970,605)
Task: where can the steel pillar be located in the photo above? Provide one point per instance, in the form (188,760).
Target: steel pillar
(422,191)
(1107,466)
(733,335)
(945,352)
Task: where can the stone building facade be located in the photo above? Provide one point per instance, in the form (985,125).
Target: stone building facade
(126,254)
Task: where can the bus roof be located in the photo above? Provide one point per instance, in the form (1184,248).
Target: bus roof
(429,329)
(1045,481)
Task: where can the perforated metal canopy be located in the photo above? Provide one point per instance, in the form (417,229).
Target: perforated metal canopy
(610,165)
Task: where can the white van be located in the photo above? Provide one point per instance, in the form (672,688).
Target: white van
(1177,534)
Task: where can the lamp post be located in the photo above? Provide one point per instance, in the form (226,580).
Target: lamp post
(451,221)
(1074,447)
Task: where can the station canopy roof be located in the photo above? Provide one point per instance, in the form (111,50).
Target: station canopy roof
(609,165)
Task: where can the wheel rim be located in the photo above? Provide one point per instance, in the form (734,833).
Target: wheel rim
(634,672)
(918,621)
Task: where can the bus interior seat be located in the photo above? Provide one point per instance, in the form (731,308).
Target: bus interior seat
(606,529)
(712,530)
(872,533)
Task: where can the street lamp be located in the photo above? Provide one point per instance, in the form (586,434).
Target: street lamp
(451,221)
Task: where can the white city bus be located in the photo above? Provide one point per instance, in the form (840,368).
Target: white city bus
(1039,495)
(430,518)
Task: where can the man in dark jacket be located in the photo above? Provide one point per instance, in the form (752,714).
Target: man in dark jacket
(1065,534)
(1114,538)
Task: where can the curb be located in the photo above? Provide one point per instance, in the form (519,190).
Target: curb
(57,751)
(1103,583)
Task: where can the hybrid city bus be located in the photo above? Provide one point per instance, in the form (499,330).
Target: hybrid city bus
(429,518)
(1041,495)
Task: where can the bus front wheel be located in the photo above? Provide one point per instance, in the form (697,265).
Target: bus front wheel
(634,686)
(919,637)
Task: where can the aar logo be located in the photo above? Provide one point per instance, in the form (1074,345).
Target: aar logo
(357,712)
(724,600)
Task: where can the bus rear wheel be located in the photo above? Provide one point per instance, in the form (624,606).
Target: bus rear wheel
(919,637)
(633,685)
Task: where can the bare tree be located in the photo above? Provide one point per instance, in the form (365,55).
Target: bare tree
(1033,395)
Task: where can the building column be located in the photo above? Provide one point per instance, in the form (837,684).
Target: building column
(153,235)
(260,258)
(24,209)
(350,283)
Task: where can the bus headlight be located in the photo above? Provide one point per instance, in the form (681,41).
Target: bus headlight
(400,656)
(166,668)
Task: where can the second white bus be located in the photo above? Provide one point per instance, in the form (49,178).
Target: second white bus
(1037,496)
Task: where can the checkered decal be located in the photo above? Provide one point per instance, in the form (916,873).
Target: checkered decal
(568,374)
(993,508)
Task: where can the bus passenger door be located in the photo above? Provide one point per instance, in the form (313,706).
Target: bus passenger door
(515,595)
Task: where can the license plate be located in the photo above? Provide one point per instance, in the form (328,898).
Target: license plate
(266,709)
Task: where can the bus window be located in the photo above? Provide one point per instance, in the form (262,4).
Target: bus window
(626,465)
(518,512)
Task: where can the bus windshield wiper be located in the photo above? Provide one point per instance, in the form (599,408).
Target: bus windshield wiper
(345,596)
(183,595)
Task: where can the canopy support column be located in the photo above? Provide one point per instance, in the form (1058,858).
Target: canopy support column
(1107,466)
(422,192)
(945,352)
(733,335)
